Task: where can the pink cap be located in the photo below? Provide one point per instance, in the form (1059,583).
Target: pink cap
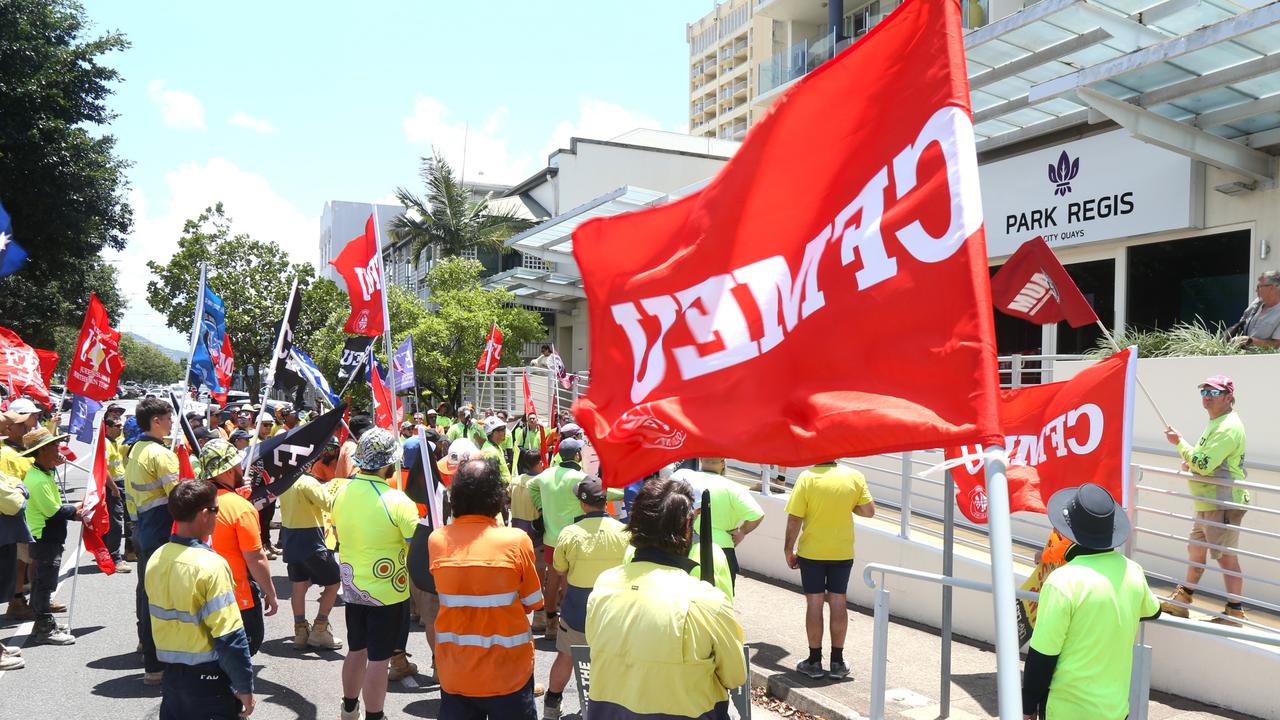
(1221,382)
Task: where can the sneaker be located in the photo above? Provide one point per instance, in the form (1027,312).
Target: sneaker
(838,670)
(400,668)
(321,637)
(57,607)
(122,568)
(301,633)
(1230,613)
(9,651)
(53,635)
(9,662)
(550,712)
(353,715)
(153,678)
(811,669)
(1168,607)
(20,609)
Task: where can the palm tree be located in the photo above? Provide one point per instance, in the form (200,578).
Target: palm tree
(448,219)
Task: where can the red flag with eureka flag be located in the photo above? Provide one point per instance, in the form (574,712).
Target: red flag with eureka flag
(97,518)
(1033,285)
(838,259)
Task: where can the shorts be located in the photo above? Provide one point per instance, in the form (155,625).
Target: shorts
(527,526)
(548,555)
(1227,540)
(825,576)
(377,628)
(518,705)
(24,555)
(567,637)
(320,568)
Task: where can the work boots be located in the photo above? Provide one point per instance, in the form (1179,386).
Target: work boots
(49,633)
(399,667)
(553,625)
(20,609)
(1180,595)
(539,624)
(301,635)
(1230,613)
(321,637)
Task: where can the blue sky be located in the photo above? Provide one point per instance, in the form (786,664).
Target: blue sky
(276,107)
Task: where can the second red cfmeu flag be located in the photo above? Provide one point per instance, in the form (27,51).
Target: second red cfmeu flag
(836,265)
(361,269)
(97,363)
(223,364)
(1058,435)
(97,518)
(1034,285)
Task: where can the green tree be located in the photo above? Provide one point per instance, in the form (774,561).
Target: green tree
(62,185)
(251,276)
(448,219)
(145,363)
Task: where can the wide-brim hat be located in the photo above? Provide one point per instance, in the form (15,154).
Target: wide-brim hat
(38,438)
(377,449)
(1089,517)
(218,456)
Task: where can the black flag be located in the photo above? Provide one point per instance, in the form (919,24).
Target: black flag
(353,352)
(282,375)
(281,459)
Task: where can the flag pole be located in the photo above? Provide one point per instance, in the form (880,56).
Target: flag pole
(1004,597)
(195,339)
(271,372)
(75,564)
(1115,345)
(386,313)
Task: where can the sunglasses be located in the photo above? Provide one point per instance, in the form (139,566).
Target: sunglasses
(1211,392)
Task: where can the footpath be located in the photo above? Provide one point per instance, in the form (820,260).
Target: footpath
(772,617)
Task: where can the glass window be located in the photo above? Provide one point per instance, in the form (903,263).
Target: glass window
(1097,282)
(1177,281)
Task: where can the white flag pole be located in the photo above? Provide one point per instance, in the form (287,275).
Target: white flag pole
(386,314)
(196,323)
(75,557)
(271,372)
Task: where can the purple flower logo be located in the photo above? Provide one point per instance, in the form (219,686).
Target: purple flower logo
(1063,173)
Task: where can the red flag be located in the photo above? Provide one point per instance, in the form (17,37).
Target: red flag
(360,267)
(384,414)
(97,518)
(838,259)
(223,364)
(1058,435)
(1034,286)
(492,355)
(48,363)
(20,367)
(97,364)
(185,470)
(529,408)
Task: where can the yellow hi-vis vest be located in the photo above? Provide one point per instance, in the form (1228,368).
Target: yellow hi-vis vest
(192,602)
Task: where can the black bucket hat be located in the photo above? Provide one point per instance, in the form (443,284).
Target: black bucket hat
(1089,517)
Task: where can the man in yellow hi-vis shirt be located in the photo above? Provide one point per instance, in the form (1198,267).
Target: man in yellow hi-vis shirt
(195,620)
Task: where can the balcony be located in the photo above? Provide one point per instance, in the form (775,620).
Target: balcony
(740,49)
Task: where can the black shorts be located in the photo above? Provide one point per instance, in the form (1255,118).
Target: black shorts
(825,576)
(377,628)
(320,568)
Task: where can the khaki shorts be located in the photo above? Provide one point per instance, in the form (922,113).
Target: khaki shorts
(566,639)
(1226,540)
(24,555)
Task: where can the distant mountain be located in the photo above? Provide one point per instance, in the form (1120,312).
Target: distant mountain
(175,355)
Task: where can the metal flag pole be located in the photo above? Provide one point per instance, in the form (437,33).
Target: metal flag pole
(75,557)
(948,567)
(196,322)
(271,372)
(1008,680)
(386,313)
(1111,339)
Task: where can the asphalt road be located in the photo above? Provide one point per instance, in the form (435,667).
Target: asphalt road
(101,675)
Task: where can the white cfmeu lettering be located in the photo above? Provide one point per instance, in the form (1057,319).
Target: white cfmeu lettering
(1075,432)
(710,310)
(1034,294)
(369,278)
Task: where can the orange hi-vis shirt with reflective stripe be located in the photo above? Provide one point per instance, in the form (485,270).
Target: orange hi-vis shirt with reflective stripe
(487,583)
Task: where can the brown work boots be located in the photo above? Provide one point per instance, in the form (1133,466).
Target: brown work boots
(1171,605)
(317,636)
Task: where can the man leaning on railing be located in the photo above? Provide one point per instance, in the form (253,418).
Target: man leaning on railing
(1220,455)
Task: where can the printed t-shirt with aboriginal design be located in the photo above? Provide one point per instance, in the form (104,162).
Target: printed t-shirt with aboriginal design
(374,524)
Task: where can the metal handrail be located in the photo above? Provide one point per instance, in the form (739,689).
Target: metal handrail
(1207,479)
(1167,452)
(1225,504)
(1214,523)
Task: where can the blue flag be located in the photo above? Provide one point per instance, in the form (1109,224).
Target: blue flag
(83,410)
(213,326)
(301,364)
(11,253)
(402,361)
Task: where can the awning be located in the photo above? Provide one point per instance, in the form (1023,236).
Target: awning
(535,288)
(552,241)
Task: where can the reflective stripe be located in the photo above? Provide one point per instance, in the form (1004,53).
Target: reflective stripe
(157,483)
(534,597)
(226,599)
(480,601)
(484,641)
(160,613)
(186,658)
(153,503)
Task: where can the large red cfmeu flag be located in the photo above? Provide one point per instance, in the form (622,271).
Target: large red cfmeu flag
(224,360)
(97,363)
(97,518)
(492,355)
(361,268)
(836,266)
(1034,286)
(20,368)
(1058,435)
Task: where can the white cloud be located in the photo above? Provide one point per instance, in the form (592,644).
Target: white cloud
(180,109)
(247,121)
(599,120)
(488,156)
(254,207)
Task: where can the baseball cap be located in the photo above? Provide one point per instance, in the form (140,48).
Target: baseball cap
(493,423)
(240,435)
(23,406)
(1220,382)
(193,415)
(377,449)
(432,412)
(591,491)
(570,430)
(289,411)
(570,447)
(115,408)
